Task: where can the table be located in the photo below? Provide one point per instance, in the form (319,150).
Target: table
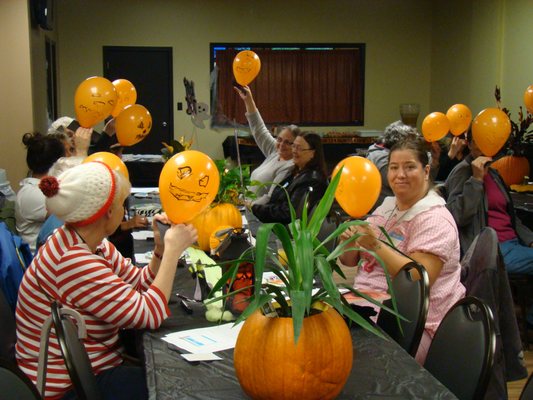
(381,369)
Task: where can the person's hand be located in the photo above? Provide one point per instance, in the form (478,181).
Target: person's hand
(435,150)
(109,128)
(82,140)
(456,148)
(368,238)
(138,221)
(244,92)
(180,237)
(480,166)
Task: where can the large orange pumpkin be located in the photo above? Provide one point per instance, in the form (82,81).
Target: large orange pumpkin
(512,169)
(215,216)
(269,365)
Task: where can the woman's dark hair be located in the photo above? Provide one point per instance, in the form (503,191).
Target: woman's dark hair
(318,162)
(416,145)
(42,151)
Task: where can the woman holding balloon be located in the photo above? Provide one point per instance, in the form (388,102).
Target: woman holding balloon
(278,151)
(478,197)
(308,178)
(418,223)
(82,270)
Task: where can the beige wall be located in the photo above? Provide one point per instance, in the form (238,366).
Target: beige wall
(396,33)
(16,111)
(436,53)
(478,45)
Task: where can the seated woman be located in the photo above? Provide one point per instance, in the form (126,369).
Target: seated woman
(82,270)
(278,153)
(478,197)
(308,178)
(30,211)
(420,226)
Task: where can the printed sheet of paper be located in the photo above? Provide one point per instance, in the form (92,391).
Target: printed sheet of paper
(205,340)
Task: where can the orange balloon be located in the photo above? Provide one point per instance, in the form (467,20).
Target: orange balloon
(94,100)
(187,185)
(528,99)
(359,186)
(435,126)
(490,130)
(246,66)
(460,117)
(133,124)
(111,160)
(127,95)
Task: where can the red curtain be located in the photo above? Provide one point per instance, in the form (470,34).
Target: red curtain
(304,87)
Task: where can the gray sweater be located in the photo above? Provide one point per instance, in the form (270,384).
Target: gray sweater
(272,169)
(468,203)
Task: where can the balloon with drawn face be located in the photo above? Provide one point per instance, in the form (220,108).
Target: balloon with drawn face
(126,95)
(94,100)
(133,124)
(246,67)
(188,184)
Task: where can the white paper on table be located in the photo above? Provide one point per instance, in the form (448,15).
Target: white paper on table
(145,190)
(201,357)
(205,340)
(142,258)
(244,220)
(142,235)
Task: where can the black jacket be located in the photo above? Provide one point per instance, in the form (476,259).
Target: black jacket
(297,186)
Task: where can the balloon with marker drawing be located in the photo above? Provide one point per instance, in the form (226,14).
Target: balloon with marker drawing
(94,100)
(246,67)
(188,184)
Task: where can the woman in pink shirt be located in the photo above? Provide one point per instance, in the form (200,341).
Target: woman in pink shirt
(420,226)
(82,270)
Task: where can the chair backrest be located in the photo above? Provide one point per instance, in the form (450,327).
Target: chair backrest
(527,391)
(412,297)
(74,353)
(332,221)
(8,335)
(14,384)
(462,351)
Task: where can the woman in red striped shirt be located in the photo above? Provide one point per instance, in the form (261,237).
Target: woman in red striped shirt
(82,270)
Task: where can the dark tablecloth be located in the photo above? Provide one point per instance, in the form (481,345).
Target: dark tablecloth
(381,368)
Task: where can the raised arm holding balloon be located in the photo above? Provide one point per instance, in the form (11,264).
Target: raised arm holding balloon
(419,225)
(278,152)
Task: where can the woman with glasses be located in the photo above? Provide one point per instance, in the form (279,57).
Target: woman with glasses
(308,178)
(277,151)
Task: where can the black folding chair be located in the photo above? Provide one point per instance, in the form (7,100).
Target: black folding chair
(76,359)
(462,351)
(8,336)
(412,297)
(527,391)
(15,384)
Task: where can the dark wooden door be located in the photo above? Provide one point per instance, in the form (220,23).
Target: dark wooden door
(150,71)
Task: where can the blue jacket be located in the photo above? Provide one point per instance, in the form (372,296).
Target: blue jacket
(15,256)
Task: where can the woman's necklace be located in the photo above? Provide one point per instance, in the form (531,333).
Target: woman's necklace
(392,222)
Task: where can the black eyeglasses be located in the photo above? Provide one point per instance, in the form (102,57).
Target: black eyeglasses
(283,141)
(298,148)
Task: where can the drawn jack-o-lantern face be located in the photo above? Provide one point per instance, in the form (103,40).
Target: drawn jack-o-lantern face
(133,124)
(188,184)
(94,100)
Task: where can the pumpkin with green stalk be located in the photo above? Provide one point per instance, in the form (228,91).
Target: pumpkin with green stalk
(303,347)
